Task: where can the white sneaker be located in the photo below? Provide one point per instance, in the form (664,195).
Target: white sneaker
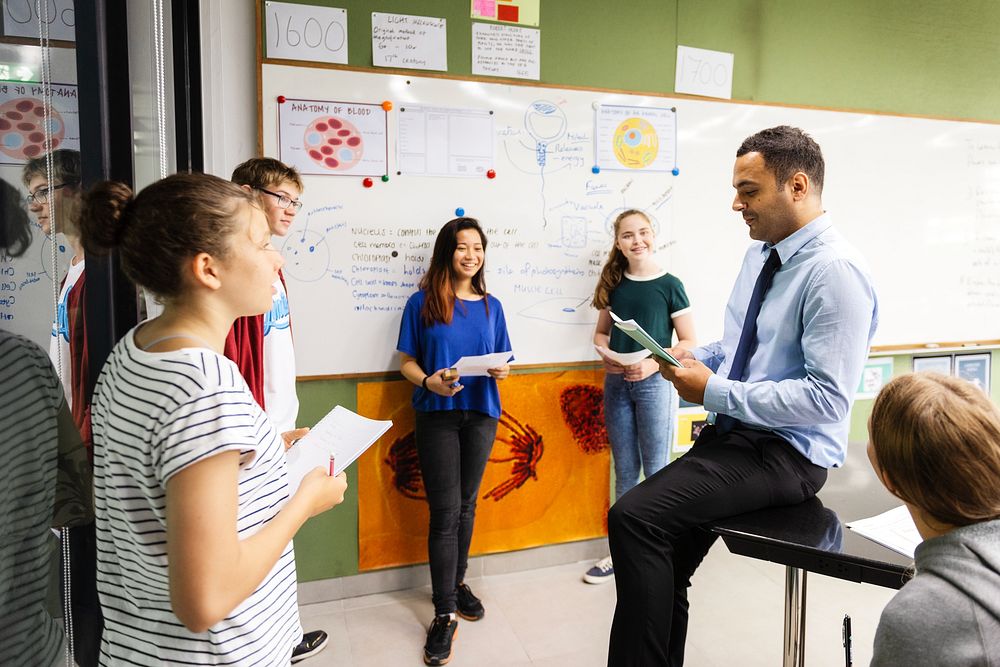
(602,572)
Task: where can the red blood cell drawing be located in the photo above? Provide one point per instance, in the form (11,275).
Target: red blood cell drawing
(22,128)
(333,143)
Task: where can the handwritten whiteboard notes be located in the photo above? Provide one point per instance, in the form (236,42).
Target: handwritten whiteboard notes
(414,42)
(439,141)
(333,138)
(21,18)
(704,72)
(640,138)
(504,50)
(306,32)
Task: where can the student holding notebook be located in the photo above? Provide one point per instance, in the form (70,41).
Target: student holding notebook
(934,442)
(194,522)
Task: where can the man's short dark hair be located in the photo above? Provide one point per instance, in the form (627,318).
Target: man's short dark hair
(787,150)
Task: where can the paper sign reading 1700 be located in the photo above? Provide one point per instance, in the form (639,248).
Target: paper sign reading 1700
(333,138)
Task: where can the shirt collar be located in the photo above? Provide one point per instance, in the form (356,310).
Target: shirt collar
(794,242)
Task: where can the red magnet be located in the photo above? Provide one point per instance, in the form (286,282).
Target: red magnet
(387,106)
(367,182)
(281,99)
(491,174)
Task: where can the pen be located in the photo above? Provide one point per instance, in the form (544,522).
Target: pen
(331,465)
(848,651)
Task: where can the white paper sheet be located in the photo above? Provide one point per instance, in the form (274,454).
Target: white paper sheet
(343,434)
(443,141)
(477,366)
(414,42)
(893,529)
(623,358)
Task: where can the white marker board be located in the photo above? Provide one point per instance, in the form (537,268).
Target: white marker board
(920,197)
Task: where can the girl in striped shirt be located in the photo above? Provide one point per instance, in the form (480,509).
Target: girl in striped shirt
(194,521)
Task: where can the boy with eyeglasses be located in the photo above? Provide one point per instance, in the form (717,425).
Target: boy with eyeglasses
(262,345)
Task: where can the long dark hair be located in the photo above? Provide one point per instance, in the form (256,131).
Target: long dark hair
(614,266)
(438,283)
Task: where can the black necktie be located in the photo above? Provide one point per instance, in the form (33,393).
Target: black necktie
(748,336)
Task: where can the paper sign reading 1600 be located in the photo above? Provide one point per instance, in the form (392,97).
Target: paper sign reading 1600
(304,32)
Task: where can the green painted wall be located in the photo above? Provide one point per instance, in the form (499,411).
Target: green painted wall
(922,57)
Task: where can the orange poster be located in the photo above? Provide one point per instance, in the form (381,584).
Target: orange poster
(547,480)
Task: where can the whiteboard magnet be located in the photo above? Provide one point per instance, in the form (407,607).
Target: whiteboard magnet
(595,169)
(385,178)
(491,174)
(675,171)
(367,182)
(460,212)
(387,106)
(281,99)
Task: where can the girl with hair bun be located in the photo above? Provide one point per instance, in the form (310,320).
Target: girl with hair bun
(934,442)
(194,521)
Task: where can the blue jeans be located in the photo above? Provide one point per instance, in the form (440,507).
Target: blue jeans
(640,419)
(453,447)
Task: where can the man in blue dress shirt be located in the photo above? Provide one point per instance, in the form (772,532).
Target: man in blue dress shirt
(780,383)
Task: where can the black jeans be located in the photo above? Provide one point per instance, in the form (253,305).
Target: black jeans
(453,446)
(657,541)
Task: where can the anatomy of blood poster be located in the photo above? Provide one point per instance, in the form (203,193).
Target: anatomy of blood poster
(24,120)
(333,138)
(546,482)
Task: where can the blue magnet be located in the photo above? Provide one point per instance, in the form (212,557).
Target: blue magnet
(460,212)
(675,171)
(595,169)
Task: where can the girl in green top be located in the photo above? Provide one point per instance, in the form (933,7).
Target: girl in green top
(640,407)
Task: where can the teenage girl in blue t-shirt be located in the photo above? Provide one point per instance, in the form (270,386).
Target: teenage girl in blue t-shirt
(639,405)
(456,422)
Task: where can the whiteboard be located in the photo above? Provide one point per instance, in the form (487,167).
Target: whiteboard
(920,197)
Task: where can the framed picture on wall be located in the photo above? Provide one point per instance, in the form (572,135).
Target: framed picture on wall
(975,368)
(940,364)
(876,373)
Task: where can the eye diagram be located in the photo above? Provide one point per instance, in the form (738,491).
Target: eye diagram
(333,143)
(636,143)
(23,127)
(546,123)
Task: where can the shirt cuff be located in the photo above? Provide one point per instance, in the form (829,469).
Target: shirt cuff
(717,394)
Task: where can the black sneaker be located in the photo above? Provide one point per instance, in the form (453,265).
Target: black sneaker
(311,644)
(469,606)
(437,648)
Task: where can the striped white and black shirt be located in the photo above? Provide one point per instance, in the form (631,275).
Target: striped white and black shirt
(154,414)
(31,400)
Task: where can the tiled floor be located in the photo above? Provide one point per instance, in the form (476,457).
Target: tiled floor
(549,617)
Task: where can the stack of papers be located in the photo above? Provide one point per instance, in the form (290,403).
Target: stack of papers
(342,434)
(893,529)
(623,358)
(639,335)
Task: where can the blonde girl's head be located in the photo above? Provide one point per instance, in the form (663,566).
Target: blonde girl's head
(617,262)
(935,442)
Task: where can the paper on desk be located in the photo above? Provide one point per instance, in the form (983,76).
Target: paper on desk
(623,358)
(893,529)
(639,335)
(477,366)
(341,433)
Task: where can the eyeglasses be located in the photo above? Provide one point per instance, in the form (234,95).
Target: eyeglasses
(41,195)
(284,201)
